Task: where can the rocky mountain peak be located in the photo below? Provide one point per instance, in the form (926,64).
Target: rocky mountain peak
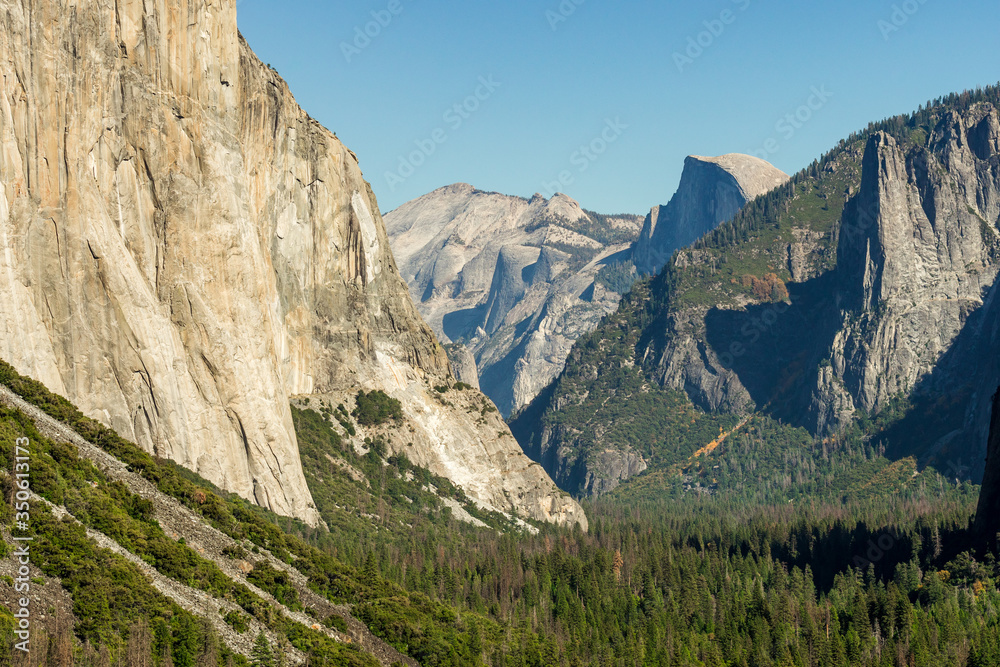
(512,279)
(751,174)
(915,266)
(892,299)
(712,190)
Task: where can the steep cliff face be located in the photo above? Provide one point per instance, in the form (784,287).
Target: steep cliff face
(184,249)
(916,262)
(515,281)
(712,190)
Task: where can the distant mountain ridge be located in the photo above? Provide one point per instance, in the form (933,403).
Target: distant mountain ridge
(514,281)
(712,190)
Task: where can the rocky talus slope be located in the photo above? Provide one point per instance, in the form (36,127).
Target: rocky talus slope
(512,281)
(180,522)
(865,285)
(712,190)
(183,249)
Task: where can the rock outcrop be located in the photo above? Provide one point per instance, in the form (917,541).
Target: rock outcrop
(914,261)
(513,280)
(712,190)
(906,311)
(183,249)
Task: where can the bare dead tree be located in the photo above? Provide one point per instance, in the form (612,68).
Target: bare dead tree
(210,656)
(139,649)
(62,642)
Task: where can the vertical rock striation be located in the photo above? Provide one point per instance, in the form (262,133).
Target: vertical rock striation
(916,265)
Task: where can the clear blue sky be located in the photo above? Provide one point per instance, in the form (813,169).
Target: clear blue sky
(555,84)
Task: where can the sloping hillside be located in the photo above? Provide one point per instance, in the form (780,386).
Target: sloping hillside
(133,555)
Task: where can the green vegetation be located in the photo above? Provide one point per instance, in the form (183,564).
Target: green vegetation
(617,277)
(376,408)
(110,595)
(613,404)
(349,489)
(692,580)
(610,394)
(237,621)
(607,230)
(772,549)
(262,655)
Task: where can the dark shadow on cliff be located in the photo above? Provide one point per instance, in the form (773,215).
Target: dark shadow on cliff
(495,380)
(948,421)
(776,349)
(526,426)
(459,324)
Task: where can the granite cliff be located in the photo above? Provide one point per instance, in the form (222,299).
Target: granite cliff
(516,282)
(712,190)
(917,266)
(184,249)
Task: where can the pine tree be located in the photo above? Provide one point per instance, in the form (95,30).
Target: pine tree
(261,655)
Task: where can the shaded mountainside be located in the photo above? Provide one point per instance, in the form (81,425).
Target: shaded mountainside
(184,249)
(511,281)
(865,286)
(987,522)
